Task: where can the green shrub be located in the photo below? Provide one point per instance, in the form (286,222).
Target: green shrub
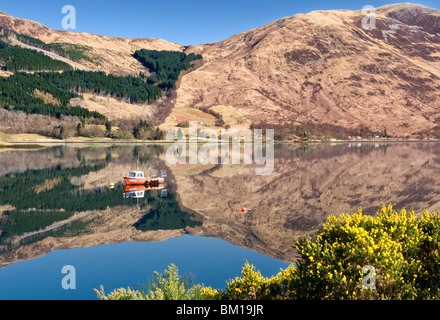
(169,286)
(119,294)
(166,286)
(401,249)
(252,285)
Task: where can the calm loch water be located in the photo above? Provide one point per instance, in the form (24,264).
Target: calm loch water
(68,206)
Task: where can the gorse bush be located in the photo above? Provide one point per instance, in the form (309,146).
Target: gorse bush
(166,286)
(403,249)
(119,294)
(400,249)
(169,286)
(252,285)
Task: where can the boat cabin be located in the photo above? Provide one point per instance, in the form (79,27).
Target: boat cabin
(137,194)
(136,174)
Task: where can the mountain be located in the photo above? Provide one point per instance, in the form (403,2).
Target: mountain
(315,74)
(113,54)
(322,70)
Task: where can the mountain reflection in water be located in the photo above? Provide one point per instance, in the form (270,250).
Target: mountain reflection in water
(60,197)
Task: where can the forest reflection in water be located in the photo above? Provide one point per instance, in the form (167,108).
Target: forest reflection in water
(71,196)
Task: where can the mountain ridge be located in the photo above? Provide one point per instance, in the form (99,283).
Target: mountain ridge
(318,73)
(119,50)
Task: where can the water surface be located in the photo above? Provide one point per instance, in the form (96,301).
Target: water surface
(65,205)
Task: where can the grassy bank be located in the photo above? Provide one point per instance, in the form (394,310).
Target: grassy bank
(392,256)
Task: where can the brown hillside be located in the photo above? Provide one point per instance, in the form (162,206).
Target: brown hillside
(318,70)
(323,69)
(112,53)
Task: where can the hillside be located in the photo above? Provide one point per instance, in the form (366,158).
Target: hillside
(322,70)
(52,79)
(113,54)
(315,74)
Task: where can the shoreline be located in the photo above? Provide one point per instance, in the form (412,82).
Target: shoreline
(42,143)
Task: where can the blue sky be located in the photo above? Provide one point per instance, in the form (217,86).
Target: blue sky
(185,22)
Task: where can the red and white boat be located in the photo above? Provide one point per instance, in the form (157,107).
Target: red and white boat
(138,178)
(138,191)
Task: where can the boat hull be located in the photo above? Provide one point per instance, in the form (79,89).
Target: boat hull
(135,181)
(142,181)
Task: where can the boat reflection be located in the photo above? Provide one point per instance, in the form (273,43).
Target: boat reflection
(137,192)
(136,183)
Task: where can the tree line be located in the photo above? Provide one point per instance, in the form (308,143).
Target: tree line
(166,65)
(18,91)
(36,208)
(68,50)
(49,93)
(15,58)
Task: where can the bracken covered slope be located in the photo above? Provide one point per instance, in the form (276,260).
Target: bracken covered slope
(324,70)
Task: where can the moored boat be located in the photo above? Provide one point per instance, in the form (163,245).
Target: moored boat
(138,178)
